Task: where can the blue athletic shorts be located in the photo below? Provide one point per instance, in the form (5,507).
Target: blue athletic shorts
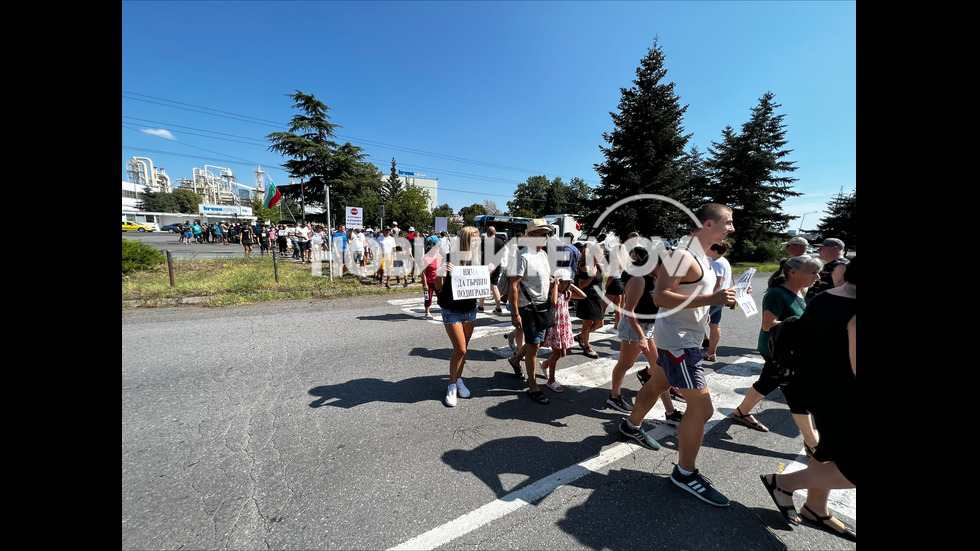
(684,371)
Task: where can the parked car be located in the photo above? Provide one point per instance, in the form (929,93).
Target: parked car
(136,226)
(174,228)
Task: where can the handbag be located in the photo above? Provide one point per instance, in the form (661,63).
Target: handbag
(544,317)
(785,345)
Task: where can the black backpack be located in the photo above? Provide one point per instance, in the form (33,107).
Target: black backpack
(786,347)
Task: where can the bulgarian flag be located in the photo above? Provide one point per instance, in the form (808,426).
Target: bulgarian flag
(272,195)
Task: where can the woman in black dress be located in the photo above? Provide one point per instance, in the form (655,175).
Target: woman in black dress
(827,383)
(590,309)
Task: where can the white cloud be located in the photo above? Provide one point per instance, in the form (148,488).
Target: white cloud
(160,133)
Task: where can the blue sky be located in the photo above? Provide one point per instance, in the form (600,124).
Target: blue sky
(482,95)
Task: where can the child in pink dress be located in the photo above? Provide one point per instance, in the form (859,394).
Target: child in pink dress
(559,337)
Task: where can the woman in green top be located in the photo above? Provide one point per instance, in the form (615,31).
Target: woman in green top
(783,299)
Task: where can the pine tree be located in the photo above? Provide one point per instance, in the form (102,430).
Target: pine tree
(645,156)
(841,220)
(748,174)
(317,161)
(393,186)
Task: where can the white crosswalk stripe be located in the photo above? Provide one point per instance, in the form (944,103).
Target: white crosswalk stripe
(598,372)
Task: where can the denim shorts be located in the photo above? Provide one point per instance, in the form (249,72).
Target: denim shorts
(531,333)
(450,317)
(714,315)
(626,332)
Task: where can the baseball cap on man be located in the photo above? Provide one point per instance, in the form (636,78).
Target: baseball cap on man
(797,241)
(833,243)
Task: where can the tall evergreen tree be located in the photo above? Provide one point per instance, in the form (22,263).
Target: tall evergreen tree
(750,174)
(841,220)
(317,160)
(393,186)
(697,177)
(645,156)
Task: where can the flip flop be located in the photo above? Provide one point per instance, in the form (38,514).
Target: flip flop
(553,385)
(784,510)
(740,418)
(823,522)
(539,397)
(518,372)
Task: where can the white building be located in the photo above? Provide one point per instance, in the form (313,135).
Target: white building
(418,179)
(206,212)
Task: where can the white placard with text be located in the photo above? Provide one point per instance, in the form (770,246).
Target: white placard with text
(471,282)
(742,297)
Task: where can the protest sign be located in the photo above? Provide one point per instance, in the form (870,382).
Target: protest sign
(471,282)
(742,297)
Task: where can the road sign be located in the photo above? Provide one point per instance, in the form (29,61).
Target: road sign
(355,217)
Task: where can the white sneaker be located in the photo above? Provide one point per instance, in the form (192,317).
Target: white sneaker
(461,388)
(451,396)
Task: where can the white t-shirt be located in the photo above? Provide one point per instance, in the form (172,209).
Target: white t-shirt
(357,242)
(302,234)
(535,273)
(723,269)
(387,244)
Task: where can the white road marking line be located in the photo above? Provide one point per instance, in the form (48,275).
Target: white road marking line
(515,500)
(593,374)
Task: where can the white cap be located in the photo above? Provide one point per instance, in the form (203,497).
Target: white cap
(563,274)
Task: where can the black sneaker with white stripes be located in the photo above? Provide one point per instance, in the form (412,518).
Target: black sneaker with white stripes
(639,435)
(699,486)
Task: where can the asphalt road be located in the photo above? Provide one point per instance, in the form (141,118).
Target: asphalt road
(319,424)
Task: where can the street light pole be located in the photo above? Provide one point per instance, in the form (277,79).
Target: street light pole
(802,218)
(330,244)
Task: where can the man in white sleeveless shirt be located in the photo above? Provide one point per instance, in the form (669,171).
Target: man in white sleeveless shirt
(684,293)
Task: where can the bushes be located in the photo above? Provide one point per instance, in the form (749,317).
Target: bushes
(138,256)
(746,251)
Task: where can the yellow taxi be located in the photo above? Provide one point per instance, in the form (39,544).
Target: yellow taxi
(136,226)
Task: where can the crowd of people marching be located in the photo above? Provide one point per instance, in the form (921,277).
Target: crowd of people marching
(674,318)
